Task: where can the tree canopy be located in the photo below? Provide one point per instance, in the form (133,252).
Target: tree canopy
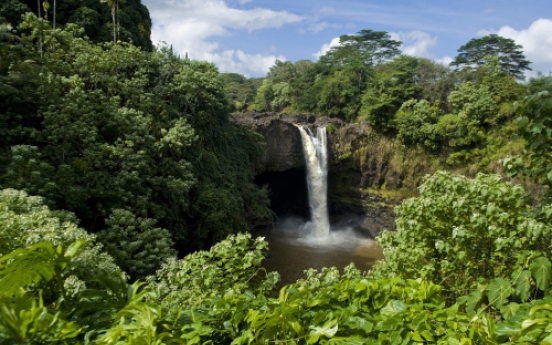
(367,46)
(477,51)
(132,19)
(137,147)
(103,130)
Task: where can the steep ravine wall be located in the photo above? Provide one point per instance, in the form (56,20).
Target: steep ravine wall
(368,173)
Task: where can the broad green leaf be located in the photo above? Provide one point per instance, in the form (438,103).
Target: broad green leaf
(522,122)
(529,335)
(73,249)
(25,320)
(528,323)
(472,300)
(547,340)
(540,307)
(427,336)
(541,270)
(352,340)
(498,292)
(417,337)
(523,285)
(509,310)
(329,329)
(392,308)
(507,328)
(26,266)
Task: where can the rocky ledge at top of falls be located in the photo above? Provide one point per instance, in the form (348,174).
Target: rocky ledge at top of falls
(283,150)
(349,174)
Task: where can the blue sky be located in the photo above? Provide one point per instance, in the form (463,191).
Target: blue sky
(247,36)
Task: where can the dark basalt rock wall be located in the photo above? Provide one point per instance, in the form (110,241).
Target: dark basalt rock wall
(283,149)
(283,159)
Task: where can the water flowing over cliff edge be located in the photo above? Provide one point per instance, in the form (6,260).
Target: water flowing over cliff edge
(369,174)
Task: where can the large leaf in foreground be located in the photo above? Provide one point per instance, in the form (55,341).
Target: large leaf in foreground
(26,266)
(498,292)
(541,271)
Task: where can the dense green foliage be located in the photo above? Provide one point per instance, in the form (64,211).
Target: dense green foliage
(25,221)
(95,128)
(534,125)
(459,118)
(509,54)
(132,19)
(224,297)
(461,232)
(240,90)
(137,147)
(136,245)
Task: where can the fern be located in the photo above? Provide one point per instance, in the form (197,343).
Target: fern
(29,266)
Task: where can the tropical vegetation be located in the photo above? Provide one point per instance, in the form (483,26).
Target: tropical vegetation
(127,192)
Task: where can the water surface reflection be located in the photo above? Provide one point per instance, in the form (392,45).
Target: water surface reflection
(293,250)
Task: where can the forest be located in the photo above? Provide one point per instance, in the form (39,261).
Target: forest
(127,193)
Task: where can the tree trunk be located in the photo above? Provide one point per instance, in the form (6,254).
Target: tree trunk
(114,23)
(118,21)
(54,21)
(40,23)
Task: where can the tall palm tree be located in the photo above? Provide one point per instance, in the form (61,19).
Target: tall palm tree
(113,4)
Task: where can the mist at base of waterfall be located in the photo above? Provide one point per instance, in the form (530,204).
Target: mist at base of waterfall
(293,249)
(301,233)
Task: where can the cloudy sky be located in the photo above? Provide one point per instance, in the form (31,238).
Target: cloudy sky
(247,36)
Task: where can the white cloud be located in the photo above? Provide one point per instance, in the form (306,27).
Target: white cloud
(326,47)
(445,60)
(415,43)
(246,64)
(536,41)
(317,27)
(191,27)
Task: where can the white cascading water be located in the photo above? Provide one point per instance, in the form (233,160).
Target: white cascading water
(316,160)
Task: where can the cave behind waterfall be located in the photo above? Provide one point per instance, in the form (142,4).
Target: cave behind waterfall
(288,192)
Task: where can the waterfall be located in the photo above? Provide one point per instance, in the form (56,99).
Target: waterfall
(316,160)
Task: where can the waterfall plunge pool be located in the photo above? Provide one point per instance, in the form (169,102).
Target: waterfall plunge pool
(293,249)
(297,245)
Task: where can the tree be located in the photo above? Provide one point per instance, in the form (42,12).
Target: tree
(415,123)
(239,90)
(475,102)
(95,128)
(113,4)
(474,109)
(391,86)
(540,83)
(282,72)
(338,97)
(436,82)
(357,56)
(25,221)
(136,245)
(264,97)
(461,232)
(372,47)
(12,10)
(510,55)
(534,124)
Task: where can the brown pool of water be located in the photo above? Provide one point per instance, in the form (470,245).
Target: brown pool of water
(292,250)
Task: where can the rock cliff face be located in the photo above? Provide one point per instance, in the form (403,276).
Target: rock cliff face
(282,140)
(350,173)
